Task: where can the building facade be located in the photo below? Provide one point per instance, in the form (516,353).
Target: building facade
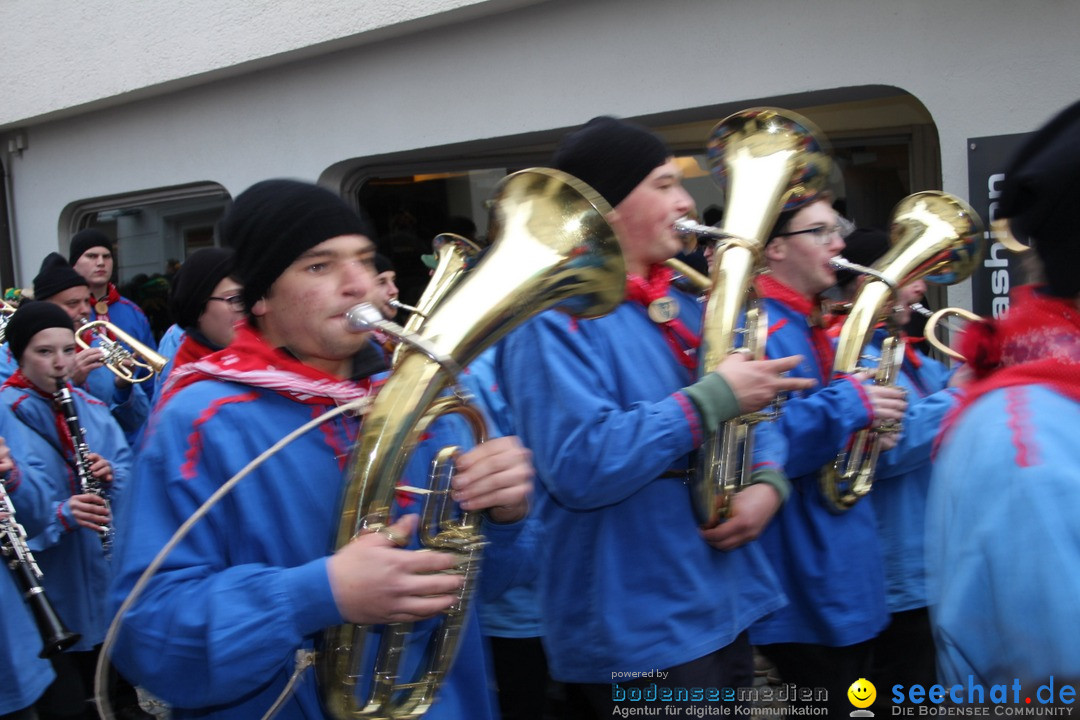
(144,119)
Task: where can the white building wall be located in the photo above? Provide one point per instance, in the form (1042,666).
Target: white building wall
(61,56)
(981,67)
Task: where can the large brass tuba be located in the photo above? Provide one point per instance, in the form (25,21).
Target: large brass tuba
(936,236)
(553,248)
(766,160)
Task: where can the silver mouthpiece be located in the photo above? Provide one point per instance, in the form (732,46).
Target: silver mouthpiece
(395,303)
(839,262)
(364,318)
(686,226)
(922,309)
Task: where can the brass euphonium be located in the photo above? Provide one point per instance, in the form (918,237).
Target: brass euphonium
(553,248)
(766,160)
(136,365)
(455,254)
(936,236)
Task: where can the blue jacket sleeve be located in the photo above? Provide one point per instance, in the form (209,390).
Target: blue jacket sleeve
(208,629)
(589,449)
(820,424)
(104,437)
(130,407)
(770,453)
(922,422)
(112,446)
(25,484)
(928,401)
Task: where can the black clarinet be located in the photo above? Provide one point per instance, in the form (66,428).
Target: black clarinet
(55,637)
(88,484)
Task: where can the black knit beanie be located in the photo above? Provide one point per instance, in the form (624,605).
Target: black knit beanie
(383,264)
(611,156)
(86,239)
(30,319)
(194,281)
(273,222)
(55,276)
(1041,199)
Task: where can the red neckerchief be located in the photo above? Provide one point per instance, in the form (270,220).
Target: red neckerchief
(1036,343)
(112,295)
(909,350)
(769,287)
(644,291)
(250,360)
(19,380)
(190,350)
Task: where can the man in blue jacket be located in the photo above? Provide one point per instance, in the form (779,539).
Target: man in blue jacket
(1003,543)
(904,652)
(829,564)
(220,625)
(91,254)
(634,595)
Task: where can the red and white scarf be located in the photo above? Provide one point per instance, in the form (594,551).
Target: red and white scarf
(250,360)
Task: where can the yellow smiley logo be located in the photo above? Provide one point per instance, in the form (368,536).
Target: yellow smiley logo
(862,693)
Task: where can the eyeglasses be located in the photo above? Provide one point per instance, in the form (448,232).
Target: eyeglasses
(821,234)
(235,302)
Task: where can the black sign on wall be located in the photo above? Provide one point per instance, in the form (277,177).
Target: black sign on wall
(999,270)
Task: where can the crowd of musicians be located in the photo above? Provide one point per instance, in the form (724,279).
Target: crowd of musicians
(598,582)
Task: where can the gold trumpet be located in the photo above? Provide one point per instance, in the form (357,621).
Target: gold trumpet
(939,317)
(936,236)
(553,248)
(136,365)
(766,160)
